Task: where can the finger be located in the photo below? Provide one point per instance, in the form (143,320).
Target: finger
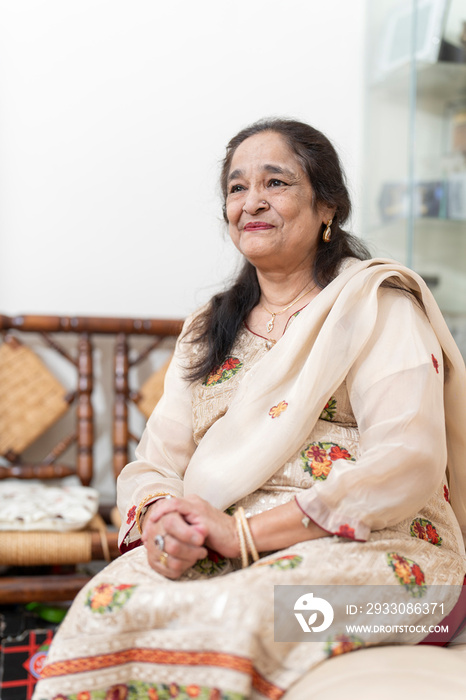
(189,551)
(177,549)
(179,540)
(191,506)
(194,518)
(161,561)
(161,508)
(165,567)
(173,567)
(175,525)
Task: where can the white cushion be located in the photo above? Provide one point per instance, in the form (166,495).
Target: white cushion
(36,506)
(385,673)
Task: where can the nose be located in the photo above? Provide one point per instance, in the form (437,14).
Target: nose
(255,202)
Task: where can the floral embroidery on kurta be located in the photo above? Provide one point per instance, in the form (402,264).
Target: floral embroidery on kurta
(289,561)
(425,530)
(330,409)
(131,514)
(212,565)
(345,531)
(224,372)
(435,363)
(408,573)
(446,494)
(342,643)
(277,410)
(106,598)
(317,458)
(154,691)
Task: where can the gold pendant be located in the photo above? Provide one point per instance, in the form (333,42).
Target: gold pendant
(270,323)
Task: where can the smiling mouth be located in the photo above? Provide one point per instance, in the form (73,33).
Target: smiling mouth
(257,226)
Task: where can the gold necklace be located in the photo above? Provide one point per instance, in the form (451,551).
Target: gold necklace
(282,311)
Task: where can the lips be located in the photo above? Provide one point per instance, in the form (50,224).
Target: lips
(257,226)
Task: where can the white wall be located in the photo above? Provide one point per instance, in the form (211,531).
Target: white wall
(114,116)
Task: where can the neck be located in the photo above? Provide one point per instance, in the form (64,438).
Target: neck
(278,290)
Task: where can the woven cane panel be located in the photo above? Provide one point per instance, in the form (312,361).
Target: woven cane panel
(36,548)
(152,390)
(31,398)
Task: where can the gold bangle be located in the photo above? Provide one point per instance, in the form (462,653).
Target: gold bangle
(146,501)
(242,543)
(248,534)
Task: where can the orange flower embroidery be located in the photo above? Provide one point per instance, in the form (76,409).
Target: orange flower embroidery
(317,458)
(214,377)
(321,470)
(446,494)
(103,595)
(106,598)
(275,411)
(403,571)
(435,363)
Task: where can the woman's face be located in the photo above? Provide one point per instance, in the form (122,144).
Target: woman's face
(272,220)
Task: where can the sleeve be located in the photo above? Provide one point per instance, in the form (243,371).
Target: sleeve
(164,451)
(396,392)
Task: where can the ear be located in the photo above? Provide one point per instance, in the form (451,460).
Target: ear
(327,213)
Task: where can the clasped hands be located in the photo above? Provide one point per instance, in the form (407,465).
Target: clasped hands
(187,525)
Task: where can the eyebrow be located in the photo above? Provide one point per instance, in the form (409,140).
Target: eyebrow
(276,169)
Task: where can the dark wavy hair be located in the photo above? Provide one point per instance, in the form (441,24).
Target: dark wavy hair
(217,328)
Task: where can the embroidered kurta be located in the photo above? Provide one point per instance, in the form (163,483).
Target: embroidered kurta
(369,468)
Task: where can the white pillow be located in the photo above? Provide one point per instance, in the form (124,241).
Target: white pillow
(37,506)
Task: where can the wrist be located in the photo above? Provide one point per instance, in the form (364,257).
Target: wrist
(146,504)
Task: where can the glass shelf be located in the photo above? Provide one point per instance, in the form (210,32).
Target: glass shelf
(435,83)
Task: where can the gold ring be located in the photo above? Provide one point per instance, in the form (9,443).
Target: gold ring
(163,558)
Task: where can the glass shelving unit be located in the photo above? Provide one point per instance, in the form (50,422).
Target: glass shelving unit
(415,160)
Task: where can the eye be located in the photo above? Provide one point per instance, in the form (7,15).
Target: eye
(236,188)
(276,183)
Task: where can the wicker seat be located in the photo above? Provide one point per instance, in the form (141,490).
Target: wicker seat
(32,400)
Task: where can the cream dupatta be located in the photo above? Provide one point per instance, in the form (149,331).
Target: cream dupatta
(281,397)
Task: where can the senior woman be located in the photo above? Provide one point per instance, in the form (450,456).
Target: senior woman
(308,416)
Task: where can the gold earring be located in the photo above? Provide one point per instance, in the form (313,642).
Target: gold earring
(327,234)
